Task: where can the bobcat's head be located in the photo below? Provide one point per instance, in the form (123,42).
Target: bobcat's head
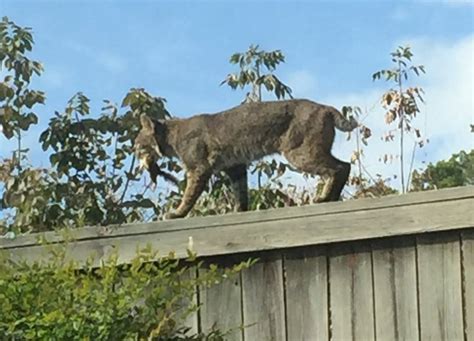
(146,146)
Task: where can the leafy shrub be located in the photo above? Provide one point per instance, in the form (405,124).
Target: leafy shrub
(148,299)
(458,170)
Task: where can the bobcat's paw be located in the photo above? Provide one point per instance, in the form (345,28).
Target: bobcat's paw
(319,200)
(171,215)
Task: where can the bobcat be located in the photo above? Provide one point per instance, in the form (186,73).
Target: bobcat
(301,130)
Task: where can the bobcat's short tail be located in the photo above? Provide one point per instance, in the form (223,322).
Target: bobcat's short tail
(342,123)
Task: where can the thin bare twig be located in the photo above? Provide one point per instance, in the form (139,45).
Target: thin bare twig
(359,162)
(132,165)
(411,165)
(401,114)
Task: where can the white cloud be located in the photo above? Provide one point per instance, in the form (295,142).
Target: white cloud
(109,61)
(54,77)
(449,93)
(400,14)
(303,84)
(447,2)
(444,120)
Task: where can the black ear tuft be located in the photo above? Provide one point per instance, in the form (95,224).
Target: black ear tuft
(147,123)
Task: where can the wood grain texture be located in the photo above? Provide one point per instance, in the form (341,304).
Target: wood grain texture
(439,286)
(306,294)
(308,211)
(280,234)
(221,308)
(351,294)
(192,320)
(468,282)
(395,289)
(263,301)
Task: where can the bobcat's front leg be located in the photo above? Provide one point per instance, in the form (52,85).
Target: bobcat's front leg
(196,181)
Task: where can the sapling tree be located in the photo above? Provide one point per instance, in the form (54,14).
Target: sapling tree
(16,98)
(401,103)
(253,64)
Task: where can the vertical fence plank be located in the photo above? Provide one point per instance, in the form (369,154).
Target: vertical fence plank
(468,281)
(350,291)
(263,301)
(221,308)
(439,277)
(395,291)
(306,294)
(191,321)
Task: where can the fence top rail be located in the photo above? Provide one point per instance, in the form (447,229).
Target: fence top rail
(253,219)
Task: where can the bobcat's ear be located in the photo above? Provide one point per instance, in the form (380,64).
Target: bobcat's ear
(147,123)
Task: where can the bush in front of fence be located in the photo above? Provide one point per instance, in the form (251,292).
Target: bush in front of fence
(150,298)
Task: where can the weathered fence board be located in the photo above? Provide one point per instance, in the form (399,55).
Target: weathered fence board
(351,294)
(310,212)
(395,289)
(306,294)
(468,281)
(192,321)
(263,301)
(222,308)
(285,233)
(439,287)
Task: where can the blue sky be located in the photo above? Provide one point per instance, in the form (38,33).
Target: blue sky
(180,50)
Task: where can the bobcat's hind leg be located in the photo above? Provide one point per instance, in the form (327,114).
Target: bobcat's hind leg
(340,179)
(196,182)
(334,182)
(238,178)
(334,172)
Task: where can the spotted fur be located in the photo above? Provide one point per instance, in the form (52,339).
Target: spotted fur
(301,130)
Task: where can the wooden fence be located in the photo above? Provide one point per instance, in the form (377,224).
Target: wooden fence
(395,268)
